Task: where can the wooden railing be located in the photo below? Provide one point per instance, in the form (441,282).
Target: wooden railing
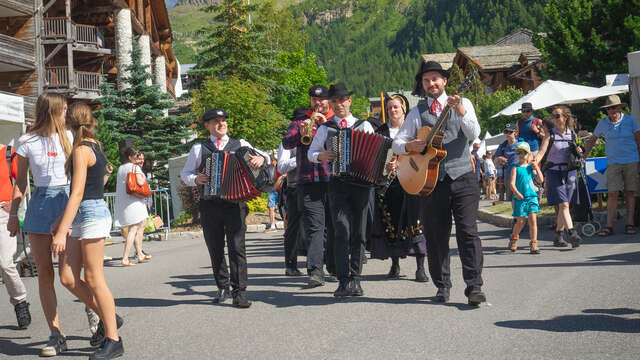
(87,80)
(54,27)
(57,77)
(85,34)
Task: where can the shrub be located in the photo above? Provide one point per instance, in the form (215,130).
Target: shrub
(257,205)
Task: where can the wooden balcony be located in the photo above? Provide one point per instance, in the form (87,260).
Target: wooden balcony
(16,54)
(16,7)
(57,77)
(55,31)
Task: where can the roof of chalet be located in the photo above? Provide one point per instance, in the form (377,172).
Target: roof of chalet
(444,59)
(493,57)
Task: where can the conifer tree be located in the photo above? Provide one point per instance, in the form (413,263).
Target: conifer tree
(137,111)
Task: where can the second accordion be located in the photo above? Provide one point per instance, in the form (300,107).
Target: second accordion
(230,177)
(361,155)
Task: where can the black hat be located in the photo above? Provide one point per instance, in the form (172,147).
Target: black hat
(526,107)
(338,90)
(214,113)
(319,91)
(426,66)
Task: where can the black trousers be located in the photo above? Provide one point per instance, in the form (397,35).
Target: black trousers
(459,198)
(314,197)
(349,210)
(222,219)
(293,232)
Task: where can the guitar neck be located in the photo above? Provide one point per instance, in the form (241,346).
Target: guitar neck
(436,128)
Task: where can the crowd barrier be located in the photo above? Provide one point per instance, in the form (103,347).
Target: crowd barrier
(157,204)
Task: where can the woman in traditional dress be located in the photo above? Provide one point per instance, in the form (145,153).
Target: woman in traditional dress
(397,231)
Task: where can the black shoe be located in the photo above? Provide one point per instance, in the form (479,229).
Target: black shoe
(332,278)
(292,272)
(342,291)
(221,296)
(109,350)
(97,339)
(442,295)
(574,238)
(315,280)
(421,276)
(239,300)
(22,314)
(354,288)
(394,272)
(476,297)
(558,240)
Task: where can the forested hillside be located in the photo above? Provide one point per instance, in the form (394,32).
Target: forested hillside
(375,45)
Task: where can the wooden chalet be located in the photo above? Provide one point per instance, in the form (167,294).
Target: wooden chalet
(67,46)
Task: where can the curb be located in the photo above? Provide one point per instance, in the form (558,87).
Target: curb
(254,228)
(507,221)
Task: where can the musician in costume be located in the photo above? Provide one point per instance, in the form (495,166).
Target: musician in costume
(456,192)
(312,185)
(397,230)
(222,218)
(348,198)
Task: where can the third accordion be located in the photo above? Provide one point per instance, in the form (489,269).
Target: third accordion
(361,155)
(230,177)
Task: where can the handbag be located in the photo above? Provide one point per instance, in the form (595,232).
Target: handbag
(141,191)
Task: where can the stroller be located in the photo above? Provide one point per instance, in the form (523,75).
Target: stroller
(581,212)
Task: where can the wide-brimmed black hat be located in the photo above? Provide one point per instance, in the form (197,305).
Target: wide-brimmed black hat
(338,90)
(426,66)
(526,107)
(319,91)
(214,113)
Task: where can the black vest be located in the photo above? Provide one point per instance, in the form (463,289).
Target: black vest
(208,147)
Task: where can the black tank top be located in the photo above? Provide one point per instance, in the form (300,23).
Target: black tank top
(94,186)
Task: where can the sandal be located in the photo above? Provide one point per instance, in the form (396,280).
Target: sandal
(128,264)
(630,230)
(606,231)
(513,239)
(533,247)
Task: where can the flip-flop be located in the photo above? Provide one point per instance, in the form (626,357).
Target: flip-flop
(630,230)
(128,264)
(606,231)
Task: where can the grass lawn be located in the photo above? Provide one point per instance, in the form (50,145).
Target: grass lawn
(504,208)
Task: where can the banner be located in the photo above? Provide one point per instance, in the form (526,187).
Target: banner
(596,178)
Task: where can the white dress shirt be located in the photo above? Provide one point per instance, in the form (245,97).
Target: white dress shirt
(317,145)
(286,162)
(409,130)
(190,169)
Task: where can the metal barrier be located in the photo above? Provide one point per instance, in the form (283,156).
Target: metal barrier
(157,204)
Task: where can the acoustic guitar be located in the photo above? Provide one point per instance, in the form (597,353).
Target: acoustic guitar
(418,171)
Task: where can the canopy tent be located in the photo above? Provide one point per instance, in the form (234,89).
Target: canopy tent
(11,118)
(488,143)
(552,92)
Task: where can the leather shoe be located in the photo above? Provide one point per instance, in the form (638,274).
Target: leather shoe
(442,295)
(111,349)
(221,296)
(421,276)
(394,272)
(476,297)
(292,272)
(239,300)
(354,288)
(315,281)
(342,290)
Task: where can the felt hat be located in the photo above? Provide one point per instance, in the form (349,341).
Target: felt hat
(338,90)
(526,107)
(319,91)
(612,100)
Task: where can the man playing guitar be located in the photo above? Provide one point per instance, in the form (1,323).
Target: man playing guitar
(457,192)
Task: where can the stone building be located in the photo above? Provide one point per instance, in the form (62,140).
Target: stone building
(66,46)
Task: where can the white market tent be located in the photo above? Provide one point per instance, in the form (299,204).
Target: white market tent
(11,118)
(552,92)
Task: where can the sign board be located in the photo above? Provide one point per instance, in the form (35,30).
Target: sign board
(11,108)
(596,178)
(617,79)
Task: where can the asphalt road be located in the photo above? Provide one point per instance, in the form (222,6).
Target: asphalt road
(562,304)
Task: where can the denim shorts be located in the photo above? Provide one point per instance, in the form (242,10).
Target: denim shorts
(45,206)
(273,199)
(93,220)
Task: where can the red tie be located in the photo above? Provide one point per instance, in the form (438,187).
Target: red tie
(343,123)
(435,107)
(218,143)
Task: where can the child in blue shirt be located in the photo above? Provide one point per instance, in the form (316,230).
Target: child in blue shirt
(525,196)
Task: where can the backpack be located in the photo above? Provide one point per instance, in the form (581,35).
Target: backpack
(9,157)
(574,160)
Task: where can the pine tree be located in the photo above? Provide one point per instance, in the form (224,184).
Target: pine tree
(235,47)
(137,111)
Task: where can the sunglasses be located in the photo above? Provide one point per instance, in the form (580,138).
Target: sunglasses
(507,132)
(521,152)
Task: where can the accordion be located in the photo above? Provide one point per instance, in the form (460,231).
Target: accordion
(361,156)
(230,177)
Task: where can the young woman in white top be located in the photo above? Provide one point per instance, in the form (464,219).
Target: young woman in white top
(131,210)
(44,148)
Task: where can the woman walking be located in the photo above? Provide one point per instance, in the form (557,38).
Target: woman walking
(561,180)
(44,148)
(131,211)
(88,216)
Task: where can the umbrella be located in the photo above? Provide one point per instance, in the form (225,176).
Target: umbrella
(552,92)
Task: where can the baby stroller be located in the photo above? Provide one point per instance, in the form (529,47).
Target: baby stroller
(581,212)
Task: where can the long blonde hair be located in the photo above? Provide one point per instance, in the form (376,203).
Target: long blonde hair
(49,109)
(82,123)
(570,120)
